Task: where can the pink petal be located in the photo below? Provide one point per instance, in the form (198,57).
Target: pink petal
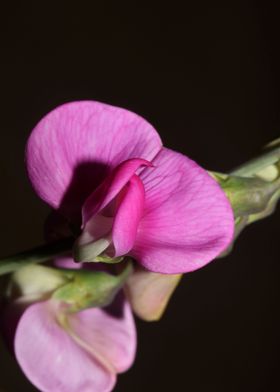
(128,216)
(71,150)
(52,360)
(187,221)
(67,262)
(110,332)
(106,212)
(110,188)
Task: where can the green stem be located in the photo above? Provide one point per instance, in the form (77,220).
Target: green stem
(36,255)
(248,169)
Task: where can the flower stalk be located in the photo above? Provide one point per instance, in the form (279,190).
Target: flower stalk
(36,255)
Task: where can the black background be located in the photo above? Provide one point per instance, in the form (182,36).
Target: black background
(207,77)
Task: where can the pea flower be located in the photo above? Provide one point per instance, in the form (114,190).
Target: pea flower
(66,351)
(106,171)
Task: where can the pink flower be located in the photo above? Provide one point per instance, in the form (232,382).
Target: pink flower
(84,355)
(69,352)
(105,167)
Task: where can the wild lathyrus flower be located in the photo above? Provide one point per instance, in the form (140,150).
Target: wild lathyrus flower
(105,170)
(61,337)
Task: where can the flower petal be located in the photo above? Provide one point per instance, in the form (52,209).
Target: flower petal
(111,186)
(128,216)
(110,332)
(71,150)
(187,221)
(112,213)
(52,360)
(149,292)
(67,262)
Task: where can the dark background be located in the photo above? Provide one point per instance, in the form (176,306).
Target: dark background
(207,77)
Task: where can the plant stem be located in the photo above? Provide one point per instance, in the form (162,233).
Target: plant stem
(36,255)
(248,169)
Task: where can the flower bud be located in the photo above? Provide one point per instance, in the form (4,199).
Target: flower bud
(35,282)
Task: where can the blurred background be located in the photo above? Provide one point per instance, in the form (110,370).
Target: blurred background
(207,77)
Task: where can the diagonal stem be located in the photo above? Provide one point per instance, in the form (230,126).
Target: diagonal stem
(248,169)
(36,255)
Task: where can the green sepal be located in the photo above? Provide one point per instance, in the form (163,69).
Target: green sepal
(90,288)
(109,260)
(269,210)
(254,197)
(247,195)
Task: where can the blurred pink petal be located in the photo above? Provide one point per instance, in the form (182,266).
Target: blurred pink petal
(86,356)
(67,262)
(110,332)
(149,292)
